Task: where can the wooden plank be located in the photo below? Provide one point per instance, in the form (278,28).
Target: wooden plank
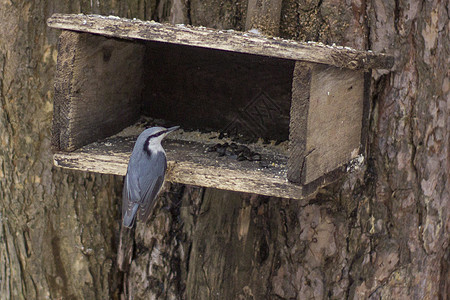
(97,88)
(298,125)
(334,122)
(229,40)
(189,163)
(63,79)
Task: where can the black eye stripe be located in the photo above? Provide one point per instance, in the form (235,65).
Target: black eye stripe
(146,150)
(147,142)
(156,134)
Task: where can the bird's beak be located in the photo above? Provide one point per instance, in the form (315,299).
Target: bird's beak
(169,130)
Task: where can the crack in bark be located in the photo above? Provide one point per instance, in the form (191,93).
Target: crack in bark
(384,282)
(366,25)
(175,227)
(7,261)
(205,275)
(396,15)
(188,12)
(59,266)
(321,20)
(420,207)
(444,288)
(8,123)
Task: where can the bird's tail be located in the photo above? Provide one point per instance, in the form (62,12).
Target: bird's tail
(125,248)
(126,239)
(129,216)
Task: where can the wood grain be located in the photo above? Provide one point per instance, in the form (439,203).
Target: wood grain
(188,163)
(334,126)
(97,88)
(221,40)
(298,125)
(63,81)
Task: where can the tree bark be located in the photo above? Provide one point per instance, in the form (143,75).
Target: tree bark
(380,232)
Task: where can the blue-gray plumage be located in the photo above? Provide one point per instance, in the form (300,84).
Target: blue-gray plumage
(145,175)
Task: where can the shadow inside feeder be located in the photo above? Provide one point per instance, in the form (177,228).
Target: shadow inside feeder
(243,96)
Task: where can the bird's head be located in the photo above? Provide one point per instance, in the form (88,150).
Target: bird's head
(153,136)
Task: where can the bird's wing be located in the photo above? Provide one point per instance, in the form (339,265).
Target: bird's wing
(130,199)
(150,184)
(150,198)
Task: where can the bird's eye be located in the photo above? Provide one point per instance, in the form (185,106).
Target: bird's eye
(157,134)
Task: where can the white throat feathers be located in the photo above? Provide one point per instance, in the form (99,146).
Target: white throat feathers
(152,144)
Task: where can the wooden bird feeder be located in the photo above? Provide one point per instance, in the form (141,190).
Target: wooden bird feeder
(112,72)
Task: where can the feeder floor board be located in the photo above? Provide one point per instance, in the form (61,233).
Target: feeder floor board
(189,163)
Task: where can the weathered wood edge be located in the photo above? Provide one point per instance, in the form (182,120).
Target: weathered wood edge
(301,83)
(191,173)
(228,40)
(63,83)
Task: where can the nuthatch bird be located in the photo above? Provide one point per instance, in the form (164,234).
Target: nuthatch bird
(145,175)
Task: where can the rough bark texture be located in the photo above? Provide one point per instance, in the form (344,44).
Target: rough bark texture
(381,232)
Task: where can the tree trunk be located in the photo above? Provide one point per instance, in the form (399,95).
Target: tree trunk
(380,232)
